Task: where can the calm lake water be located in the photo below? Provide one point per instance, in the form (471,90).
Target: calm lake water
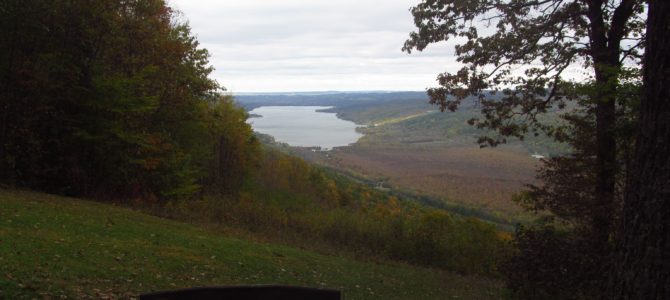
(304,126)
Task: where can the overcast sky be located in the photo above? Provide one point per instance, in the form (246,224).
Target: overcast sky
(313,45)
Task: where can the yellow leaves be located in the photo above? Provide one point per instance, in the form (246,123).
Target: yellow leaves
(390,208)
(504,236)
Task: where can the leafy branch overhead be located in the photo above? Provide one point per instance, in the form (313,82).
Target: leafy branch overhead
(521,49)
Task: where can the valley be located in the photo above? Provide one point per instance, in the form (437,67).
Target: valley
(410,146)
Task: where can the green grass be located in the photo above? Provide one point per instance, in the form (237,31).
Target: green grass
(54,246)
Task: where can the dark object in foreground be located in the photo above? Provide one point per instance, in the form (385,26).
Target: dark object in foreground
(262,292)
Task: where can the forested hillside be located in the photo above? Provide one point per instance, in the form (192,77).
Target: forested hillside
(113,103)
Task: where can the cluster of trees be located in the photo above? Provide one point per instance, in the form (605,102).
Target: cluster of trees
(112,99)
(607,231)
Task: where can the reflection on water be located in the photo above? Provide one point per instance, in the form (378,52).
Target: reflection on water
(304,126)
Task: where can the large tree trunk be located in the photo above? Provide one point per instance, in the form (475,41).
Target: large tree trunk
(642,262)
(605,53)
(605,156)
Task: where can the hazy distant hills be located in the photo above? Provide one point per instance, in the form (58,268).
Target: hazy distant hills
(338,99)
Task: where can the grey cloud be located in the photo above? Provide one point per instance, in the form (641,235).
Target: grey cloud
(313,44)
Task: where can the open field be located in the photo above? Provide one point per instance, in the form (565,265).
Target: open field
(468,175)
(55,247)
(436,154)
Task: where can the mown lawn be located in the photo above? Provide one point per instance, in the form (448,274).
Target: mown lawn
(53,247)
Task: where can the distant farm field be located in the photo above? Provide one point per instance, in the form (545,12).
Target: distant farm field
(484,178)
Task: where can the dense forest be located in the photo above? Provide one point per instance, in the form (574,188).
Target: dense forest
(112,103)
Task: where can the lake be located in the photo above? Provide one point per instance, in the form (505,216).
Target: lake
(304,126)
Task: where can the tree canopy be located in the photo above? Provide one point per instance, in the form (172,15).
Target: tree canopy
(523,51)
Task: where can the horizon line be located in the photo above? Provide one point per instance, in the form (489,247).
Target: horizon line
(321,91)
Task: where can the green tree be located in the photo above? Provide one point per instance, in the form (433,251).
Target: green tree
(547,37)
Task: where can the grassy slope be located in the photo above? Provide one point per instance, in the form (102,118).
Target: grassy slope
(56,246)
